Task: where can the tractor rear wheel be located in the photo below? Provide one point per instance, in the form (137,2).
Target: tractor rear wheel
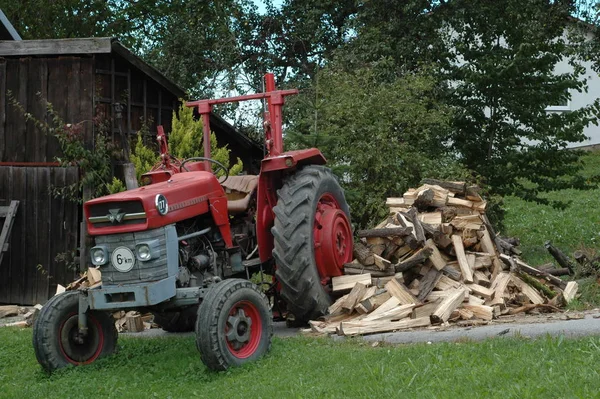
(182,321)
(56,339)
(313,239)
(234,325)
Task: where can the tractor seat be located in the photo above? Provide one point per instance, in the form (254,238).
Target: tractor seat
(239,190)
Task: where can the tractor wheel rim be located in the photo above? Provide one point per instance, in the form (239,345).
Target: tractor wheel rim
(243,329)
(80,349)
(332,237)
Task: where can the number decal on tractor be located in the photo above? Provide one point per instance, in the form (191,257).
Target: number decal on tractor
(123,259)
(162,206)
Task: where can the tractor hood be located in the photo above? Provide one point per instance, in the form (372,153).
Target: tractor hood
(184,195)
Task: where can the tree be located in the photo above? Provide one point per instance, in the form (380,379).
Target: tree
(501,79)
(379,137)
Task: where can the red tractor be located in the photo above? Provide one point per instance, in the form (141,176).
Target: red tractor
(183,246)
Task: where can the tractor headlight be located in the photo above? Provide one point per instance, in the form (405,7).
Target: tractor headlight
(99,256)
(143,252)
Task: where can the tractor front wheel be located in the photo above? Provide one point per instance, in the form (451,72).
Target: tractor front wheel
(56,339)
(313,239)
(234,325)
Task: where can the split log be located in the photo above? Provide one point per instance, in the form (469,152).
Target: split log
(454,187)
(355,295)
(357,328)
(424,199)
(481,311)
(544,289)
(416,259)
(560,257)
(428,283)
(375,301)
(382,263)
(465,269)
(447,306)
(8,311)
(400,292)
(396,313)
(479,290)
(570,291)
(425,310)
(357,268)
(385,232)
(527,290)
(436,258)
(134,323)
(362,253)
(342,283)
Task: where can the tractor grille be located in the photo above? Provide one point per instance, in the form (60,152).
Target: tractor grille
(152,270)
(117,213)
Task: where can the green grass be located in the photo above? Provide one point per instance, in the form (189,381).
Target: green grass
(315,368)
(570,229)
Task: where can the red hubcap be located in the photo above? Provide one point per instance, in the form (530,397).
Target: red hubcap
(243,329)
(332,238)
(79,349)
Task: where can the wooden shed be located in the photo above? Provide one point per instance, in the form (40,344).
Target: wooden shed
(84,79)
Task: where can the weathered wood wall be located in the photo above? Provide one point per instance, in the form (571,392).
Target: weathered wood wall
(66,82)
(44,227)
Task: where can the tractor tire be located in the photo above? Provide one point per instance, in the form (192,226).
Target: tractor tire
(55,328)
(303,281)
(234,325)
(177,322)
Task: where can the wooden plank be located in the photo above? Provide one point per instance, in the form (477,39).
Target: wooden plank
(342,283)
(3,104)
(9,220)
(30,262)
(465,269)
(400,292)
(44,237)
(97,45)
(35,148)
(18,277)
(5,193)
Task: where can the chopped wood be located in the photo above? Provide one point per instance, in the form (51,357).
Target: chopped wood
(459,202)
(487,244)
(480,311)
(375,301)
(416,259)
(425,310)
(94,275)
(473,300)
(570,291)
(434,218)
(455,187)
(527,290)
(357,268)
(481,291)
(9,310)
(465,269)
(400,292)
(396,313)
(134,323)
(481,279)
(370,327)
(398,202)
(524,267)
(452,271)
(446,283)
(386,232)
(362,253)
(436,258)
(381,262)
(342,283)
(447,306)
(424,199)
(336,307)
(428,283)
(355,295)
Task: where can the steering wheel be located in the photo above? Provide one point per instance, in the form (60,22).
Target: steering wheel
(219,165)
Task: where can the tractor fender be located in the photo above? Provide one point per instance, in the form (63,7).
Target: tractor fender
(272,171)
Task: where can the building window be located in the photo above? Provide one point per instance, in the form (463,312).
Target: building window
(563,105)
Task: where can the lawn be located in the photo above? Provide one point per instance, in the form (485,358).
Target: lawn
(575,227)
(315,368)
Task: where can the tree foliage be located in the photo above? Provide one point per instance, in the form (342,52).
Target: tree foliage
(379,137)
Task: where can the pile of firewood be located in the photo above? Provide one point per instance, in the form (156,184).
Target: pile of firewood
(435,260)
(133,321)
